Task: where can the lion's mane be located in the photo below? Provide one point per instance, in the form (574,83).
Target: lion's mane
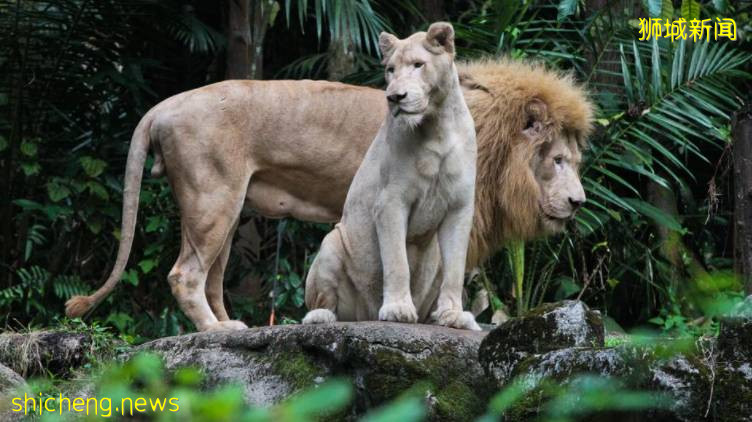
(504,98)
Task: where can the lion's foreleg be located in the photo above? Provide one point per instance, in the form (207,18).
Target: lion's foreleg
(391,229)
(454,235)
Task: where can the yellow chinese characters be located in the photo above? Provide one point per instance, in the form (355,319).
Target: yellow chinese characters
(695,29)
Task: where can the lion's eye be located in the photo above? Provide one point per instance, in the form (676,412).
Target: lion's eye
(390,69)
(558,159)
(418,65)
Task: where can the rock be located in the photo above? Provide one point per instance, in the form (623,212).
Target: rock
(559,342)
(43,352)
(546,328)
(9,379)
(10,382)
(734,364)
(381,359)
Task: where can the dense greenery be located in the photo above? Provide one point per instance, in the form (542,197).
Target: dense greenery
(652,246)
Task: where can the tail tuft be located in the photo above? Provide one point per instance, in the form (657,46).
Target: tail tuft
(77,306)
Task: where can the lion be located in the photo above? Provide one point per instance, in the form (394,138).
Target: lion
(291,149)
(410,205)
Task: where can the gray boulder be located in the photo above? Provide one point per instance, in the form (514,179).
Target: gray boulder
(10,382)
(556,342)
(381,359)
(549,327)
(42,352)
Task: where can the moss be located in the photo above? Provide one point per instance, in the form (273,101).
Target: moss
(383,388)
(733,394)
(296,369)
(458,402)
(527,408)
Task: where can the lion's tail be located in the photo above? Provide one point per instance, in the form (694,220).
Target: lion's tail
(79,305)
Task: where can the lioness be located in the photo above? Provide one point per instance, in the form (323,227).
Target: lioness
(291,148)
(410,203)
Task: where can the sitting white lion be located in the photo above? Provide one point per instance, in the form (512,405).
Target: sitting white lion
(399,252)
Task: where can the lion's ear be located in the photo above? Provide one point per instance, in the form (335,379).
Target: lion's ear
(536,113)
(468,83)
(440,35)
(387,42)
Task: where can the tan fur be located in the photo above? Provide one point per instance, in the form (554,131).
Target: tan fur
(291,148)
(507,94)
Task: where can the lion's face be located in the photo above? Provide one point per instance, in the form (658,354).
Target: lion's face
(556,170)
(418,71)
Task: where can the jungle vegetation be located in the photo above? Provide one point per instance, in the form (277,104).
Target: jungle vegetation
(654,247)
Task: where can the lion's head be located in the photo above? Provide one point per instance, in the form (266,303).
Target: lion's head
(419,71)
(532,125)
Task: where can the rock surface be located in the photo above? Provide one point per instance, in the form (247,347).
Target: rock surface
(549,327)
(42,352)
(9,379)
(381,359)
(710,382)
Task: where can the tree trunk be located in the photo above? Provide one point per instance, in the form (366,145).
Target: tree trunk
(238,40)
(341,58)
(742,154)
(672,245)
(433,10)
(264,12)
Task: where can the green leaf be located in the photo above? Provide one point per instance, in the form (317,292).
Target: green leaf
(403,410)
(566,9)
(95,225)
(131,276)
(97,189)
(327,398)
(657,215)
(298,298)
(147,265)
(511,394)
(654,8)
(720,5)
(27,204)
(690,9)
(3,143)
(656,68)
(29,148)
(667,10)
(92,166)
(295,280)
(155,223)
(30,168)
(567,287)
(57,191)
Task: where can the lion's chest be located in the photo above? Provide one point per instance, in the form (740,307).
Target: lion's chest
(441,174)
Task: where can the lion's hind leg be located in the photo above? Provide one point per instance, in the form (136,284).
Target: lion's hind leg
(207,225)
(323,281)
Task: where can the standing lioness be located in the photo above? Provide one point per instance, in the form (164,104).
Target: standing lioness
(410,205)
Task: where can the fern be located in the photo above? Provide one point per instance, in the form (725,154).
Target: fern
(65,286)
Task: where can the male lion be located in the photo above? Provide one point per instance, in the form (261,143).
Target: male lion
(291,148)
(410,205)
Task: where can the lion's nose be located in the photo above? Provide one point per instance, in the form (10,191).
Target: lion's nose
(395,98)
(576,202)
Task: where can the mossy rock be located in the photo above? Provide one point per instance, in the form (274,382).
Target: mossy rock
(382,360)
(549,327)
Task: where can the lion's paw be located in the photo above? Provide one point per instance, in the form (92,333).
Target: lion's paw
(320,316)
(227,325)
(455,319)
(398,312)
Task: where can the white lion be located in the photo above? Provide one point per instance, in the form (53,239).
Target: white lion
(410,205)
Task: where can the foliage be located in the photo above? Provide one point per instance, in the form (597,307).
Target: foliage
(78,75)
